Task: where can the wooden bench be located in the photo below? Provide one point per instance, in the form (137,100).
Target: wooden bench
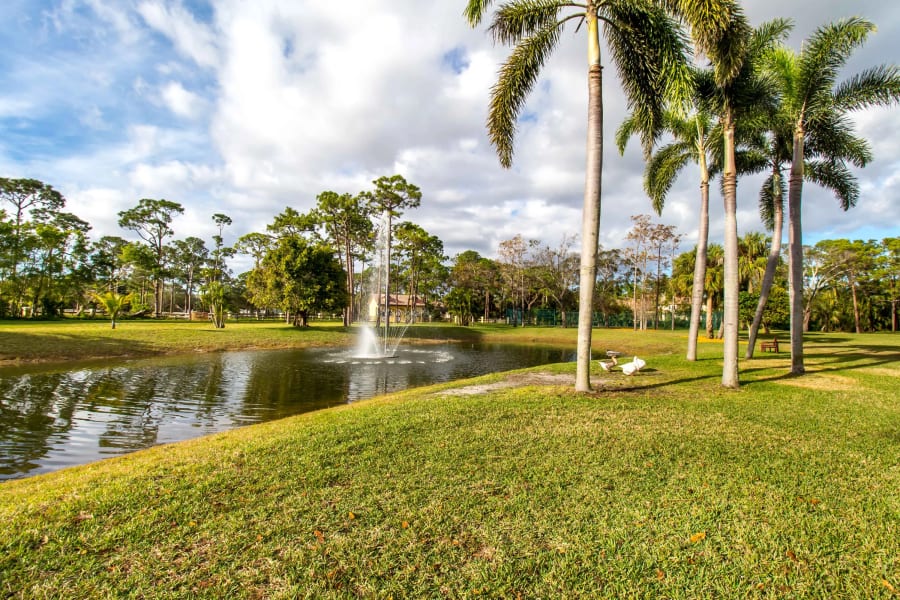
(769,346)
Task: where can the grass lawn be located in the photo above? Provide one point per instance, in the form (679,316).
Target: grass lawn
(70,339)
(75,339)
(511,485)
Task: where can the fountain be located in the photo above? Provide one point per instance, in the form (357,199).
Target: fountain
(379,337)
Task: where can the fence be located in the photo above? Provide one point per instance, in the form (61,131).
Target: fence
(546,317)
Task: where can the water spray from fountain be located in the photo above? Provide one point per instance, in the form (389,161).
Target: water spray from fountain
(379,335)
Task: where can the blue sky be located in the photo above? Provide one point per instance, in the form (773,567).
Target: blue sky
(245,108)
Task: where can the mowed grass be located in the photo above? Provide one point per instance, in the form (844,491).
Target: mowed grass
(23,342)
(661,485)
(73,339)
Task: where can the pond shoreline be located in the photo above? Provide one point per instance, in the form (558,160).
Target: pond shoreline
(25,343)
(63,414)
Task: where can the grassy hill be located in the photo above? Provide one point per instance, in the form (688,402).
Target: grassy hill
(659,485)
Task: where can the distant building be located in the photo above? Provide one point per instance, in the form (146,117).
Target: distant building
(403,308)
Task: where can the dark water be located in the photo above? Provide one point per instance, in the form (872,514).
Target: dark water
(54,418)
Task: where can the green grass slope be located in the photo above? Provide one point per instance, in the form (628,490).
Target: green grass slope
(661,485)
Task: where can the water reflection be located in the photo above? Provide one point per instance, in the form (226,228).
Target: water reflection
(51,418)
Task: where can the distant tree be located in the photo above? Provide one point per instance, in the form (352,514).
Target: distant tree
(556,270)
(6,263)
(661,238)
(714,285)
(463,300)
(292,223)
(255,245)
(752,260)
(220,251)
(215,296)
(106,262)
(56,238)
(24,195)
(514,257)
(139,261)
(151,220)
(348,227)
(610,264)
(418,253)
(889,273)
(777,310)
(299,277)
(639,253)
(819,273)
(190,255)
(392,195)
(852,262)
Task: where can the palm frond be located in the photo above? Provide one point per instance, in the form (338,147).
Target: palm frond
(475,10)
(769,35)
(830,135)
(650,53)
(691,127)
(728,55)
(834,175)
(771,194)
(878,86)
(826,52)
(515,81)
(628,128)
(662,170)
(719,30)
(517,20)
(747,162)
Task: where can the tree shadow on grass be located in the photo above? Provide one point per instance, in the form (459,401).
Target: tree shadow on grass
(23,347)
(860,356)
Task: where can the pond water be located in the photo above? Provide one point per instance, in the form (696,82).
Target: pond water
(52,418)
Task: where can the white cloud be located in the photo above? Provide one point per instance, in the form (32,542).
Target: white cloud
(180,101)
(194,40)
(255,106)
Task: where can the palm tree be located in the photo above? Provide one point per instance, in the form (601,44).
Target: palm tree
(694,141)
(113,304)
(648,50)
(734,92)
(810,97)
(713,284)
(751,259)
(830,146)
(731,91)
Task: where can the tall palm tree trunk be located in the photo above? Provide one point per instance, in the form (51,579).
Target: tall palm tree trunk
(795,249)
(731,314)
(590,231)
(700,261)
(771,266)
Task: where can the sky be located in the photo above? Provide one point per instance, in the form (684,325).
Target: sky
(247,107)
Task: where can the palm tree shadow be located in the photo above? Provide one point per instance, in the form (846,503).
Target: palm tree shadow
(843,360)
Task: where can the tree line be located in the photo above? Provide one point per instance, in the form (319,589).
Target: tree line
(322,261)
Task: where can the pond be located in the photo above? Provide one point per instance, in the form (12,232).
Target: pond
(52,417)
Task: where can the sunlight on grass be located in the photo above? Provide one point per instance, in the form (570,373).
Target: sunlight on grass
(660,485)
